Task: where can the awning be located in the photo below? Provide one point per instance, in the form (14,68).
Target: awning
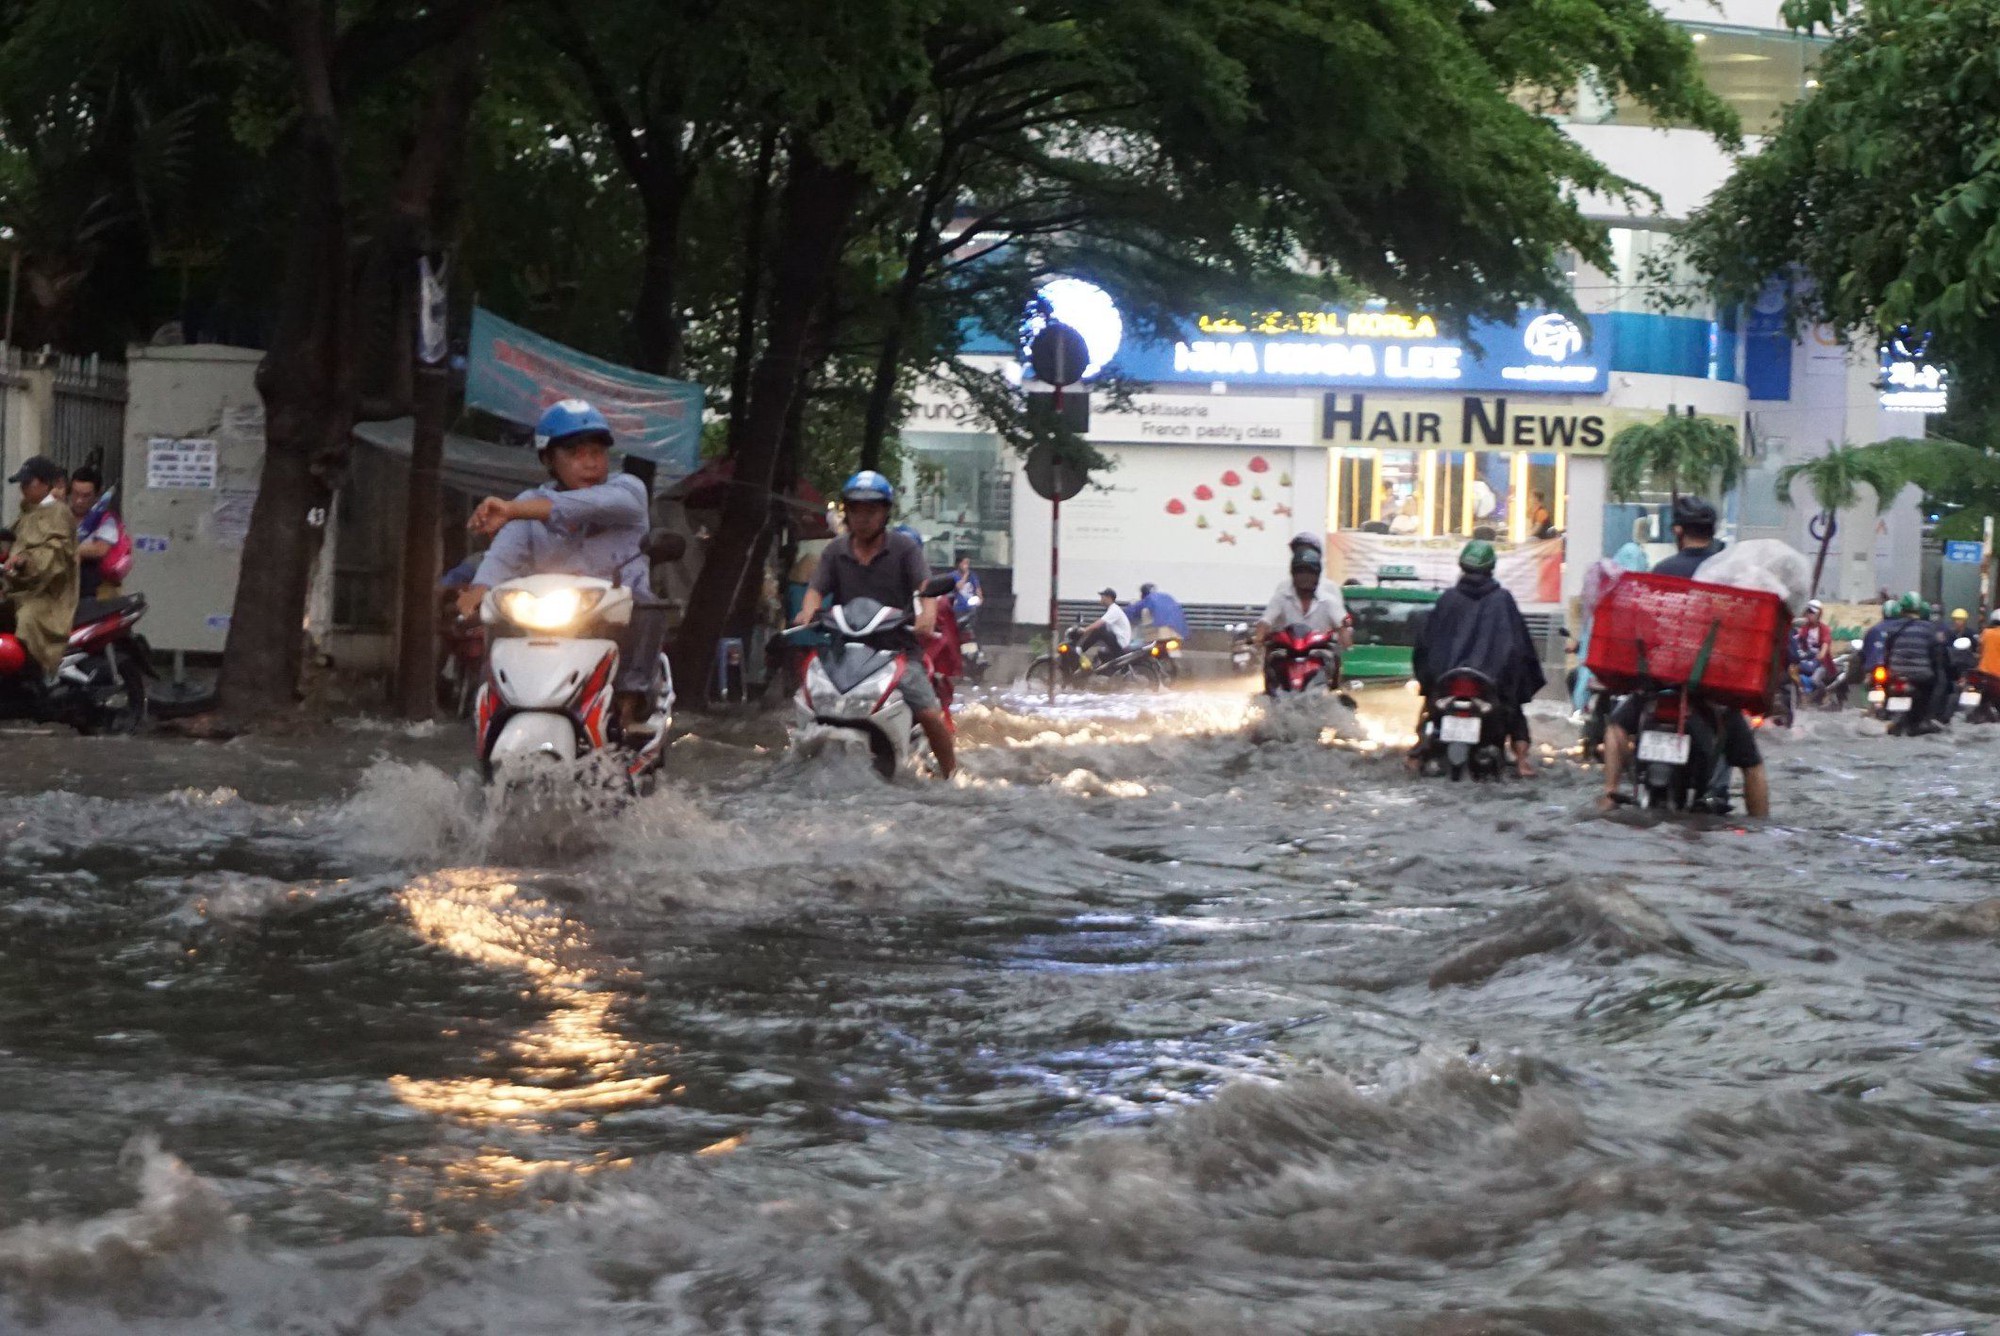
(478,468)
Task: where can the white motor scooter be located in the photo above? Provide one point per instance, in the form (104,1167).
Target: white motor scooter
(850,700)
(547,695)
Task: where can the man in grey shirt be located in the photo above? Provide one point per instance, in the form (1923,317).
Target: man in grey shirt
(872,561)
(585,520)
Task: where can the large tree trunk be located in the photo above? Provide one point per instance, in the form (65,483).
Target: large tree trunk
(818,206)
(750,299)
(656,319)
(307,384)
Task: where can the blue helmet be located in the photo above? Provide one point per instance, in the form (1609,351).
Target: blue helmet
(571,417)
(868,485)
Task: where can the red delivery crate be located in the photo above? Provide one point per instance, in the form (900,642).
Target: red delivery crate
(1652,628)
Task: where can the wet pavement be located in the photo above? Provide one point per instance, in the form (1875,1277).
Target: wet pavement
(1169,1016)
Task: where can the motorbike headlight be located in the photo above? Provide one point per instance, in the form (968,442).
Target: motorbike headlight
(1173,645)
(553,611)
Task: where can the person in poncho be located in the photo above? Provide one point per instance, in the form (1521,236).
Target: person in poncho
(41,569)
(1476,624)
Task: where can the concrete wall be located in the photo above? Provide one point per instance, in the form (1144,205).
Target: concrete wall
(190,539)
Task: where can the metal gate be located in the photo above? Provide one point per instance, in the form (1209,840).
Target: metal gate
(87,423)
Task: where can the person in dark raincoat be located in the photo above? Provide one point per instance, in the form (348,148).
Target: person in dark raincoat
(1476,624)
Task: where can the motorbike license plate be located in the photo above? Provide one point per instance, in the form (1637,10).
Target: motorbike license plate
(1670,748)
(1459,728)
(1900,704)
(1968,700)
(1877,696)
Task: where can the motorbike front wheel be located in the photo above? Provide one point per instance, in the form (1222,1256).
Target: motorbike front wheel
(1039,672)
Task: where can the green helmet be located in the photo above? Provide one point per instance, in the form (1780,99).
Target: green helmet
(1477,555)
(1910,605)
(1889,607)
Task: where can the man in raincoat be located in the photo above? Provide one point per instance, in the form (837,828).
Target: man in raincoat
(1476,624)
(41,569)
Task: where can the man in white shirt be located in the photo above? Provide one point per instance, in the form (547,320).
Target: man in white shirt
(1304,600)
(1111,633)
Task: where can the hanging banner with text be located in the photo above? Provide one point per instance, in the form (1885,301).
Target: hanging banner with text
(515,374)
(1531,572)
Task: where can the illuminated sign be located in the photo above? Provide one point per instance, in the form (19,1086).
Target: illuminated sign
(1085,308)
(1910,381)
(1468,422)
(1541,352)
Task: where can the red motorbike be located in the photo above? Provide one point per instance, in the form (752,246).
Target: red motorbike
(1298,659)
(101,685)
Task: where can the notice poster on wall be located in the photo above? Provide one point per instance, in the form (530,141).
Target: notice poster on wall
(180,464)
(229,518)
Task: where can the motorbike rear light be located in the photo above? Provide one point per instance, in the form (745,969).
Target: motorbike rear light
(1881,676)
(1668,711)
(1462,687)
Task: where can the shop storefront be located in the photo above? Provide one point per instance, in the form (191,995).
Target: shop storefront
(1373,428)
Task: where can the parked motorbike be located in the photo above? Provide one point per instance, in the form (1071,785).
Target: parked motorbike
(1137,664)
(1679,763)
(551,665)
(461,663)
(1464,731)
(100,686)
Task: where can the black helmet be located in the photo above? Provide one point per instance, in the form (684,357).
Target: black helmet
(1146,590)
(1691,512)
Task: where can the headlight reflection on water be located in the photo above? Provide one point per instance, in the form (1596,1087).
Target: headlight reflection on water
(562,1073)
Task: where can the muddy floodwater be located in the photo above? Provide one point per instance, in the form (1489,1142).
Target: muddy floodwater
(1167,1017)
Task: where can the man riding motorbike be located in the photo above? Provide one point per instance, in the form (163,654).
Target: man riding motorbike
(1476,624)
(1961,662)
(1111,634)
(1304,599)
(41,567)
(1694,540)
(1915,651)
(1162,607)
(869,561)
(584,521)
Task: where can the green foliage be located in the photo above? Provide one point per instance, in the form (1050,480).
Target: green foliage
(1837,477)
(1880,192)
(1675,454)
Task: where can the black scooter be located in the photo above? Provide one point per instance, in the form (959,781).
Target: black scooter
(1464,730)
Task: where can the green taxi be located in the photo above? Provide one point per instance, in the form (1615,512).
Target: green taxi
(1386,615)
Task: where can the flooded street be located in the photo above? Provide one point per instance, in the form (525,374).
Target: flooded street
(1166,1018)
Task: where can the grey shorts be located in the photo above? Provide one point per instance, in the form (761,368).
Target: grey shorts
(916,685)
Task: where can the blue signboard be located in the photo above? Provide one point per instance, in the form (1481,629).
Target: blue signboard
(515,374)
(1540,352)
(1956,550)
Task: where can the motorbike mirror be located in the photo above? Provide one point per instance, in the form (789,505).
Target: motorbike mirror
(664,545)
(938,586)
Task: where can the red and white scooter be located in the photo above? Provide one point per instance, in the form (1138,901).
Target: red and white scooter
(101,685)
(550,669)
